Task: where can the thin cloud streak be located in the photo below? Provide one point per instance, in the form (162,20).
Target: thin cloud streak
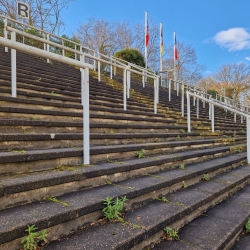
(234,39)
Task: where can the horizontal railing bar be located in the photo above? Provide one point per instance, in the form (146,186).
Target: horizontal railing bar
(43,53)
(222,105)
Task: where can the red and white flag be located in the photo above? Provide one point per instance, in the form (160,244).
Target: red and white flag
(147,32)
(175,48)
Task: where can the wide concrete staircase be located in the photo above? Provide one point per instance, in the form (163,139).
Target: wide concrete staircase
(41,158)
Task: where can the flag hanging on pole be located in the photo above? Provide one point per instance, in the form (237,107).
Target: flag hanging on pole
(147,31)
(175,49)
(161,40)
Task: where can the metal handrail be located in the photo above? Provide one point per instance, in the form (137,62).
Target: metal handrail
(77,44)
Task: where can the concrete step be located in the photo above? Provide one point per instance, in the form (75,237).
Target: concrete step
(220,226)
(43,159)
(85,206)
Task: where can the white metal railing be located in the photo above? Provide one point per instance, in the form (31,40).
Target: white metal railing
(214,102)
(86,54)
(84,80)
(79,61)
(95,59)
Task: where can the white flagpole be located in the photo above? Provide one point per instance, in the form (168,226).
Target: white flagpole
(146,52)
(161,38)
(174,63)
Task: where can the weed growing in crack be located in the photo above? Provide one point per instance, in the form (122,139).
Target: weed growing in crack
(171,234)
(233,167)
(53,93)
(158,140)
(20,152)
(140,153)
(175,124)
(31,241)
(55,200)
(178,138)
(184,185)
(114,208)
(247,226)
(34,118)
(206,177)
(182,130)
(182,166)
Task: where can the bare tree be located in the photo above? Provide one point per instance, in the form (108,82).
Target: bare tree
(104,36)
(153,49)
(109,37)
(187,67)
(235,77)
(44,14)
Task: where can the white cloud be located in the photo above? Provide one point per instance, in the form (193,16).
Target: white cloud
(247,58)
(233,39)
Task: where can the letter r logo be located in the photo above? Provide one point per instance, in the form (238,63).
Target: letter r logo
(23,10)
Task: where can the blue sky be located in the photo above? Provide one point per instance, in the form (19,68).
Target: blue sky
(218,29)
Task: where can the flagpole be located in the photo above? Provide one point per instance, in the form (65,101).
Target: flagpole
(146,52)
(161,38)
(174,63)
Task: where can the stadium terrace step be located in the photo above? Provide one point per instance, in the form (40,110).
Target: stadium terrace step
(86,205)
(41,156)
(220,226)
(32,160)
(34,140)
(146,220)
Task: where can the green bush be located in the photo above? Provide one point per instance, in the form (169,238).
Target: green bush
(131,55)
(212,92)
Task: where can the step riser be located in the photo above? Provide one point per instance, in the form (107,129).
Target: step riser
(52,117)
(57,190)
(44,165)
(66,227)
(42,129)
(47,144)
(188,218)
(21,167)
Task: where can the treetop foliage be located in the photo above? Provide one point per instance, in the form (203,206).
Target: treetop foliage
(131,55)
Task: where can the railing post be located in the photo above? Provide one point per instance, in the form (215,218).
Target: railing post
(143,80)
(111,71)
(75,53)
(124,90)
(212,107)
(182,101)
(204,101)
(5,32)
(82,57)
(99,69)
(155,96)
(248,139)
(13,67)
(188,113)
(94,62)
(63,51)
(128,83)
(48,47)
(85,102)
(241,118)
(177,84)
(169,90)
(194,98)
(158,88)
(197,106)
